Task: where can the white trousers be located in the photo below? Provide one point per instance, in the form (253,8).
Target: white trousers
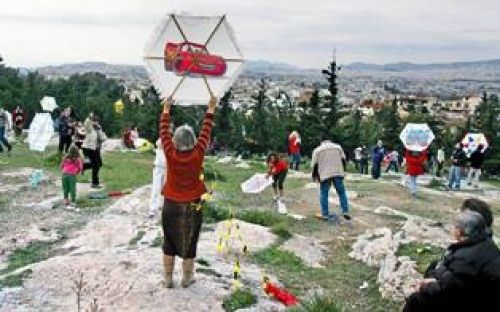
(158,181)
(473,177)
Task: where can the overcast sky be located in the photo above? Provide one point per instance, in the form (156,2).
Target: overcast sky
(300,32)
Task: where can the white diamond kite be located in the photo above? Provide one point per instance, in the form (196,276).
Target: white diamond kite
(472,140)
(48,103)
(416,137)
(193,57)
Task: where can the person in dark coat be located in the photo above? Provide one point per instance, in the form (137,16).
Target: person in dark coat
(467,278)
(377,157)
(476,162)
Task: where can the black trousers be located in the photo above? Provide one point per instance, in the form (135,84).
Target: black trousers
(64,143)
(95,163)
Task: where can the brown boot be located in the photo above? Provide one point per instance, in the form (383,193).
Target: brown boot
(168,266)
(187,272)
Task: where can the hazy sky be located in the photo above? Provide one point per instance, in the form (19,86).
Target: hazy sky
(40,32)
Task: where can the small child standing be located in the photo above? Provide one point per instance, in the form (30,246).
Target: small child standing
(277,168)
(71,165)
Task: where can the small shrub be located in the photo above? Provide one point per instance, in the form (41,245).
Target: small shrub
(203,262)
(281,230)
(318,304)
(240,299)
(213,213)
(435,184)
(422,254)
(137,238)
(157,242)
(210,173)
(264,218)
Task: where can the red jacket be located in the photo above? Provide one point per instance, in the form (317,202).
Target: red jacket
(415,164)
(184,169)
(278,167)
(293,146)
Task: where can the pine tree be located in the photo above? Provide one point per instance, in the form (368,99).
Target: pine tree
(332,104)
(311,123)
(223,128)
(390,125)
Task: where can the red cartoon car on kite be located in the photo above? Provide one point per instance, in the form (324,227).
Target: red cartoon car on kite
(193,59)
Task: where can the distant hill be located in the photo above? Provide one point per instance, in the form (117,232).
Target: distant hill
(407,67)
(136,73)
(125,72)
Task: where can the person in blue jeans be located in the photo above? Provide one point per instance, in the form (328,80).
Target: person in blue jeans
(328,161)
(459,159)
(377,157)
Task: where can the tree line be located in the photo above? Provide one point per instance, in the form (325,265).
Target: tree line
(257,127)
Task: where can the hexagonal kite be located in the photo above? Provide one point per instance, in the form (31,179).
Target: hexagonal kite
(416,137)
(193,57)
(471,141)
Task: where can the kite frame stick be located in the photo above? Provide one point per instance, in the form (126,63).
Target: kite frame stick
(178,86)
(208,86)
(215,29)
(180,30)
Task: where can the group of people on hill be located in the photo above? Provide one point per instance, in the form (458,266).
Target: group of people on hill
(420,162)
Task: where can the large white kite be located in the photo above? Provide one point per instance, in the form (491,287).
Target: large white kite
(416,136)
(193,57)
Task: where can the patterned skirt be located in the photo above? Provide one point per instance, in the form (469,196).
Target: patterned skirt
(181,229)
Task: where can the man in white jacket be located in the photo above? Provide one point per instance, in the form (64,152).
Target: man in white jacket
(159,174)
(328,161)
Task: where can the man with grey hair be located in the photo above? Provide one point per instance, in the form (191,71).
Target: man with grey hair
(468,275)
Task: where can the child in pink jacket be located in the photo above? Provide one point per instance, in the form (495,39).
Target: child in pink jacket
(71,166)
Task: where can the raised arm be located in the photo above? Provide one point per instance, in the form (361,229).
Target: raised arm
(208,122)
(165,134)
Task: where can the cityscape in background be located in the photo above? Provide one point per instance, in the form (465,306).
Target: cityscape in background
(450,91)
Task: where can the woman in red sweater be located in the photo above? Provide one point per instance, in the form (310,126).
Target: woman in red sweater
(181,220)
(415,162)
(277,168)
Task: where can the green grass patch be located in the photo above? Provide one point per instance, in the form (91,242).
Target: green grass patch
(138,236)
(239,299)
(318,303)
(33,253)
(264,218)
(340,279)
(422,254)
(15,280)
(281,230)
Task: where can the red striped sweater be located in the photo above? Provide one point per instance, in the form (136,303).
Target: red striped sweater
(184,168)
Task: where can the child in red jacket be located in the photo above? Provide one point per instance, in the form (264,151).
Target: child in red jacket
(415,162)
(278,168)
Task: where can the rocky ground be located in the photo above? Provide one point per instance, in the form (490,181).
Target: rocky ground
(109,259)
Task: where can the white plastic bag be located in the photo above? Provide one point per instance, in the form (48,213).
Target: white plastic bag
(256,184)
